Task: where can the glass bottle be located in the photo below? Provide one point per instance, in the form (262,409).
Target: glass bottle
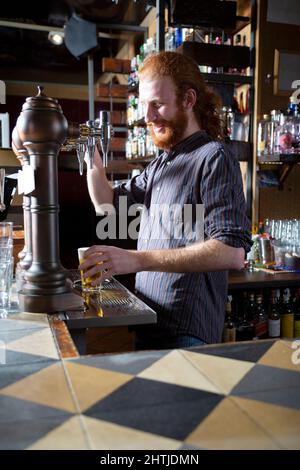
(297,315)
(287,316)
(274,316)
(229,331)
(260,319)
(245,328)
(262,135)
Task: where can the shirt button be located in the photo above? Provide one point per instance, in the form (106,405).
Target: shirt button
(168,163)
(158,188)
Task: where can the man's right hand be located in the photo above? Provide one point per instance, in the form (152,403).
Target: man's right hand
(97,159)
(100,189)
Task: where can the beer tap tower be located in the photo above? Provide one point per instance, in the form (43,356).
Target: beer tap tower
(40,132)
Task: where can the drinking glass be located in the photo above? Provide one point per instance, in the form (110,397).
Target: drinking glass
(6,233)
(6,276)
(86,283)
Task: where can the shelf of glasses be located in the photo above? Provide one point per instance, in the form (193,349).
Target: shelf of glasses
(138,123)
(235,79)
(279,158)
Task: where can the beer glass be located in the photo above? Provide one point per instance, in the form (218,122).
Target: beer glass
(86,282)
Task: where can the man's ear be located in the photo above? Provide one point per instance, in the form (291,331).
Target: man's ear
(190,98)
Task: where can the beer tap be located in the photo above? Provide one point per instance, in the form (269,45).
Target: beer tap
(85,137)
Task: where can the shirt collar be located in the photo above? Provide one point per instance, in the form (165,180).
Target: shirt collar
(189,144)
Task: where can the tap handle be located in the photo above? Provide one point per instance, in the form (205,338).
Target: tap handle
(80,150)
(91,146)
(2,183)
(105,126)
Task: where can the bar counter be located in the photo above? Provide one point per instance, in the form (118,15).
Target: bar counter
(246,279)
(233,396)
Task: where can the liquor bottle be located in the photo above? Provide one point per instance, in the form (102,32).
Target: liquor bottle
(245,327)
(292,109)
(287,316)
(229,331)
(241,103)
(128,145)
(251,308)
(274,316)
(262,135)
(297,314)
(260,319)
(283,136)
(178,37)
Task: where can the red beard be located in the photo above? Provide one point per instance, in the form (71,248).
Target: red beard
(173,130)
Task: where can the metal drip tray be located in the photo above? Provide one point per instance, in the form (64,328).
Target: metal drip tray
(113,305)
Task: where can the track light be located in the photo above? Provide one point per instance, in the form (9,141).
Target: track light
(56,37)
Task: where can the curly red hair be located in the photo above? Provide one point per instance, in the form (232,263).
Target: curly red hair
(185,73)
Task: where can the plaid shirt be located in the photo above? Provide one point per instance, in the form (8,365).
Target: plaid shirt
(198,170)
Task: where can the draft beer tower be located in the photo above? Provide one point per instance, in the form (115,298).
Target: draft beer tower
(40,132)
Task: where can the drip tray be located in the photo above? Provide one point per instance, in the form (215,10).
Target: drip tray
(112,305)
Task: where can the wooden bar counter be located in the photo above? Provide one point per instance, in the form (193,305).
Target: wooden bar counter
(233,396)
(246,279)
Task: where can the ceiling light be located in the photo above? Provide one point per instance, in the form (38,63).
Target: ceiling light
(56,37)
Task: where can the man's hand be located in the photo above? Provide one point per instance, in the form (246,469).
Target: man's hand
(97,159)
(103,261)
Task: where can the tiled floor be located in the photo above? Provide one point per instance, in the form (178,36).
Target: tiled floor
(238,396)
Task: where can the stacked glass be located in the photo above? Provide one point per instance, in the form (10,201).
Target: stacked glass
(286,241)
(6,266)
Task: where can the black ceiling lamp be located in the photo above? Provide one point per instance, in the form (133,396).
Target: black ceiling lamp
(80,36)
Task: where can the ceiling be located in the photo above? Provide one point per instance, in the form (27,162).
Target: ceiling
(28,55)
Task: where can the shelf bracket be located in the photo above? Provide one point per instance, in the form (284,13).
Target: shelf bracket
(283,174)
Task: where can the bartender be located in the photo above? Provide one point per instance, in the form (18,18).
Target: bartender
(183,278)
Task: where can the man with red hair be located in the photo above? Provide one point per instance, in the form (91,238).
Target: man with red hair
(183,279)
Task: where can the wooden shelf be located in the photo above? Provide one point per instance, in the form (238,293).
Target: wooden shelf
(115,65)
(279,158)
(282,163)
(111,91)
(231,78)
(240,23)
(138,123)
(217,55)
(141,159)
(133,89)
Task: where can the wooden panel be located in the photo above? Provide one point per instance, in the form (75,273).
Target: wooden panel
(117,144)
(109,340)
(8,158)
(63,338)
(115,65)
(115,91)
(118,117)
(217,55)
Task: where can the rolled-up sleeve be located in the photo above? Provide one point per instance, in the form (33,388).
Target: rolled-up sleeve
(224,202)
(135,189)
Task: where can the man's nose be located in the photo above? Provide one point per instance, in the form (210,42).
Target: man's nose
(149,113)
